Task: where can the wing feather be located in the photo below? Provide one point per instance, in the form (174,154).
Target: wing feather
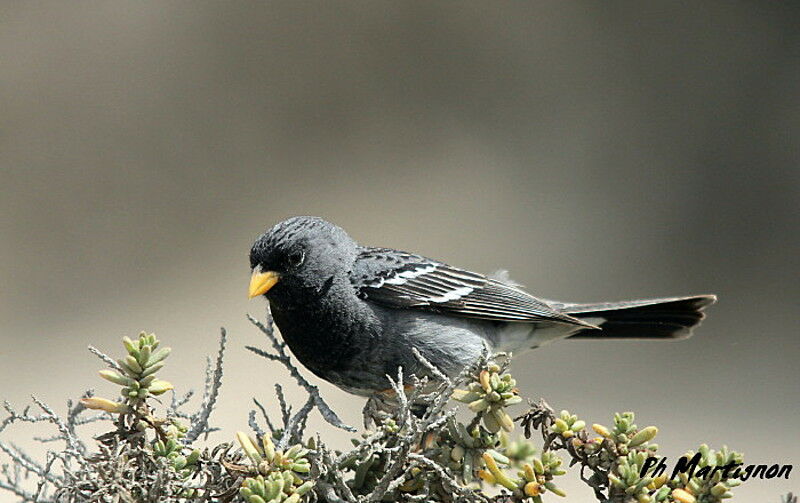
(404,280)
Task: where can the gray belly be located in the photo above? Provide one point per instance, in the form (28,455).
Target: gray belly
(447,342)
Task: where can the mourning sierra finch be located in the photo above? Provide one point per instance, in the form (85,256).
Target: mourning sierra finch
(352,314)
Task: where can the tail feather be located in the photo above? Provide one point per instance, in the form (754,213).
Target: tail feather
(665,318)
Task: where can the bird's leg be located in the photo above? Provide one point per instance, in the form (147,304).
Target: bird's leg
(373,413)
(382,405)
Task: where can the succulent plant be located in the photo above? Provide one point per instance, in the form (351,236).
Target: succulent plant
(182,459)
(415,454)
(707,485)
(518,451)
(533,480)
(489,393)
(627,478)
(462,448)
(626,436)
(275,487)
(266,458)
(136,373)
(567,425)
(280,475)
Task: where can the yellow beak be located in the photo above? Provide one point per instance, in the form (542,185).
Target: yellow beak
(261,282)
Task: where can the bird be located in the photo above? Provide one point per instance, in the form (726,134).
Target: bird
(354,314)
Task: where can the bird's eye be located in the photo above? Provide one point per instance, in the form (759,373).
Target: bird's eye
(296,258)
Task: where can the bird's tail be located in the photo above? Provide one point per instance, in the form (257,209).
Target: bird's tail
(666,318)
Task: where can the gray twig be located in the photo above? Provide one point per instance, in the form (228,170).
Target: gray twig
(264,415)
(324,409)
(213,383)
(107,359)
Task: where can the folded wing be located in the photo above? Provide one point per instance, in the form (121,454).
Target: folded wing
(407,281)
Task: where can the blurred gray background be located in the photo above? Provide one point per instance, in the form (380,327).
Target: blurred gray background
(598,151)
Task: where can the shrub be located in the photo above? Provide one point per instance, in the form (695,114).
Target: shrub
(414,447)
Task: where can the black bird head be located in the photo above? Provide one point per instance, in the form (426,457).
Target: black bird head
(298,257)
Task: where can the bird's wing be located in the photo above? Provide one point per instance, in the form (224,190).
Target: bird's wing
(404,280)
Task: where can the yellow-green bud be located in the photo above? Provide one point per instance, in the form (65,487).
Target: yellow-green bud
(503,419)
(578,426)
(115,377)
(719,489)
(268,447)
(97,403)
(484,378)
(158,387)
(531,489)
(249,447)
(487,477)
(555,489)
(644,435)
(601,430)
(133,364)
(479,405)
(682,496)
(158,356)
(501,477)
(457,453)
